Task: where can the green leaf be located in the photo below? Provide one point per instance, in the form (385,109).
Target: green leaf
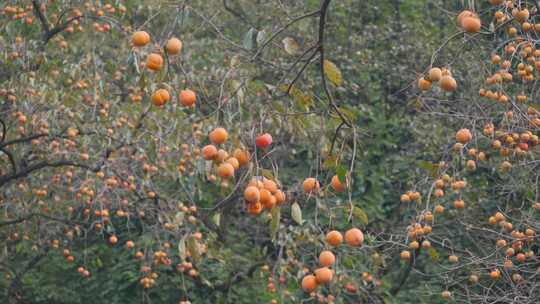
(296,213)
(433,254)
(341,172)
(360,215)
(274,224)
(193,248)
(217,219)
(332,72)
(248,39)
(182,248)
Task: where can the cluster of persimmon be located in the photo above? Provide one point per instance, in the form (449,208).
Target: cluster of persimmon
(154,62)
(149,277)
(225,164)
(262,193)
(19,13)
(441,75)
(354,237)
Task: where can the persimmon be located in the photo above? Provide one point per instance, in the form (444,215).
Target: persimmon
(154,62)
(471,24)
(265,197)
(434,74)
(280,197)
(270,185)
(113,239)
(187,98)
(221,156)
(334,238)
(173,46)
(140,38)
(336,184)
(309,283)
(463,15)
(323,275)
(448,83)
(311,185)
(263,141)
(327,258)
(225,170)
(255,208)
(130,244)
(160,97)
(209,152)
(251,194)
(405,255)
(463,136)
(242,156)
(234,162)
(354,237)
(424,84)
(218,136)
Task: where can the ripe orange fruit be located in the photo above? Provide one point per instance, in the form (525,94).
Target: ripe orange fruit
(270,185)
(323,275)
(160,97)
(265,197)
(435,74)
(463,15)
(448,83)
(463,136)
(334,238)
(221,156)
(471,24)
(225,170)
(309,283)
(254,208)
(140,38)
(242,156)
(187,98)
(310,185)
(251,194)
(113,239)
(154,62)
(263,141)
(209,152)
(327,258)
(173,46)
(336,184)
(424,84)
(234,162)
(218,136)
(280,197)
(354,237)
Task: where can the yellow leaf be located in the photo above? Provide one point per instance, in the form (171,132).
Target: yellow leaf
(332,72)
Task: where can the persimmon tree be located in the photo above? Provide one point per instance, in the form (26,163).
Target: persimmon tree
(474,221)
(249,151)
